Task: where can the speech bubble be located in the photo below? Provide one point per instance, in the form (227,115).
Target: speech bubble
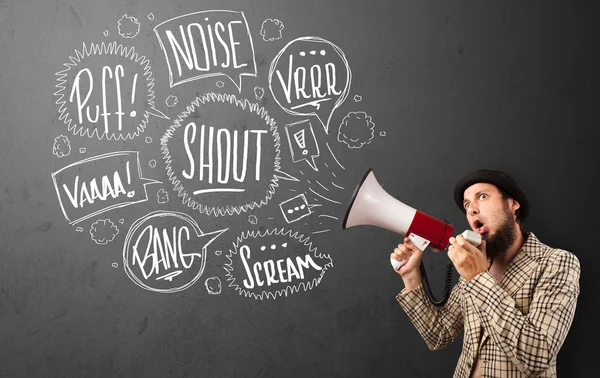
(101,183)
(303,143)
(106,91)
(274,263)
(165,251)
(228,160)
(207,43)
(310,76)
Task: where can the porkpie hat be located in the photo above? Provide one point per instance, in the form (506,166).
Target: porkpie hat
(500,179)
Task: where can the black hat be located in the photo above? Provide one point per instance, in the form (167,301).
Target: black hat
(500,179)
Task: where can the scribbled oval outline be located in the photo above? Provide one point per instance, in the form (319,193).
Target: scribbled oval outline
(132,230)
(186,198)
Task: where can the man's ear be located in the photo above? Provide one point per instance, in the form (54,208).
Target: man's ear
(514,205)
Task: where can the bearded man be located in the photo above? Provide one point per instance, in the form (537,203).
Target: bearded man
(515,298)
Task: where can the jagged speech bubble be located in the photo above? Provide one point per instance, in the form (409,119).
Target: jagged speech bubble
(205,44)
(310,76)
(106,91)
(227,161)
(165,251)
(274,263)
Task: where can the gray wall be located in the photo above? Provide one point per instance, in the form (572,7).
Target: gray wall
(450,87)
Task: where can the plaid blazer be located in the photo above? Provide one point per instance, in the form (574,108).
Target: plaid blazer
(515,326)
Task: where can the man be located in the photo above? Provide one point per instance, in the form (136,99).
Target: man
(515,298)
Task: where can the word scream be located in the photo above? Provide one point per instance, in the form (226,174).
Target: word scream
(272,272)
(220,151)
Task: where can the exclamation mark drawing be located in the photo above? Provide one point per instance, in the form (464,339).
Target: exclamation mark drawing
(133,113)
(131,193)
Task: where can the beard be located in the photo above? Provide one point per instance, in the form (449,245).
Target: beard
(505,236)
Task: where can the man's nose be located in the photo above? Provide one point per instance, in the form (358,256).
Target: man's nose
(473,210)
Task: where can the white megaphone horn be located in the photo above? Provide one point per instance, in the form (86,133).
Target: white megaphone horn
(371,205)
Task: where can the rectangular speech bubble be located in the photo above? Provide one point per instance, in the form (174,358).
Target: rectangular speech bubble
(101,183)
(205,44)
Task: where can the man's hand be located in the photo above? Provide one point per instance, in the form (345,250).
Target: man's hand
(468,260)
(410,272)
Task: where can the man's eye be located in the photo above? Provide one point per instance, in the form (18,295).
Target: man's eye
(482,196)
(466,205)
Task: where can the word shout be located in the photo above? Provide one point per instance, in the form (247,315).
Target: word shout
(221,156)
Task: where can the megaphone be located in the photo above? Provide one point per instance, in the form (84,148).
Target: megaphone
(371,205)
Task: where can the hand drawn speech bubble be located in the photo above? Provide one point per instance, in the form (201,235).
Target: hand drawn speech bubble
(165,251)
(310,76)
(106,91)
(303,143)
(274,263)
(228,160)
(101,183)
(205,44)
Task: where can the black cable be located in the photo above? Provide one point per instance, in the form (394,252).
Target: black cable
(447,287)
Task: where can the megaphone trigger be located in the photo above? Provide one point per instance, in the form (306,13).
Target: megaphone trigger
(397,264)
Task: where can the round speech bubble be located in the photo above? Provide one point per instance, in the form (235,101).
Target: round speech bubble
(165,251)
(106,91)
(310,76)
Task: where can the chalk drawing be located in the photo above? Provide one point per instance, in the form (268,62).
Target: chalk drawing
(252,219)
(259,92)
(295,208)
(356,130)
(101,110)
(205,44)
(62,146)
(171,101)
(271,30)
(129,27)
(310,76)
(101,183)
(213,285)
(103,231)
(274,263)
(357,98)
(162,196)
(303,143)
(161,251)
(217,159)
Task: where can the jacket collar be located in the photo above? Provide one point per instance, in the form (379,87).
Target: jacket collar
(524,263)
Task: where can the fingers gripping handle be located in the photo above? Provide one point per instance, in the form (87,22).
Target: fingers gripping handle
(471,236)
(420,242)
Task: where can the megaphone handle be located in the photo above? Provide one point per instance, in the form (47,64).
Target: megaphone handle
(420,242)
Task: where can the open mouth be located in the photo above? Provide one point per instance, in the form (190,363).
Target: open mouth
(479,227)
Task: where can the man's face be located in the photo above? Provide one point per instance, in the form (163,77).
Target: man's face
(491,216)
